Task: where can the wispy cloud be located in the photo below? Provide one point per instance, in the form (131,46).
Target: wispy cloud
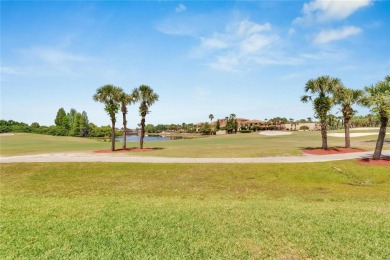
(48,62)
(321,11)
(326,36)
(183,26)
(180,8)
(55,56)
(239,44)
(10,70)
(226,62)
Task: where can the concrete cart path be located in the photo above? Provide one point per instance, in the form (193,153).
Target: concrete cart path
(125,157)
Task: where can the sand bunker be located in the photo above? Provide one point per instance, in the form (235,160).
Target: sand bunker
(363,128)
(6,134)
(352,134)
(272,133)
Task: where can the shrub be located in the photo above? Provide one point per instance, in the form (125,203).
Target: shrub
(304,128)
(245,131)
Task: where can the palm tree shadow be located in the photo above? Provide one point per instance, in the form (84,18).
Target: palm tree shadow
(368,159)
(318,147)
(137,148)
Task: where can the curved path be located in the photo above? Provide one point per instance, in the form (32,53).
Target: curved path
(93,157)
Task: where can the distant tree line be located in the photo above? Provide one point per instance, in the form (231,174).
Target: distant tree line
(72,123)
(177,128)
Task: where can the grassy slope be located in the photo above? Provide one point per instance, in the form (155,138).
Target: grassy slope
(239,145)
(335,210)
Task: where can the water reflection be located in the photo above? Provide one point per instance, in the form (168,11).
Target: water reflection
(135,138)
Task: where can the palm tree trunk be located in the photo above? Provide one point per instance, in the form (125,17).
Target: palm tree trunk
(113,136)
(141,139)
(381,139)
(324,135)
(124,131)
(347,135)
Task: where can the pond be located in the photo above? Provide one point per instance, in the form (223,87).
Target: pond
(149,138)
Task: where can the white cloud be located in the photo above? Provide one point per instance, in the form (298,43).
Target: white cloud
(180,8)
(330,10)
(246,27)
(226,62)
(326,36)
(241,43)
(255,43)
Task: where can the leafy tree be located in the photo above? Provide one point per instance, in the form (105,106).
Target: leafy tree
(35,125)
(66,122)
(109,95)
(76,127)
(59,121)
(321,88)
(147,97)
(71,115)
(217,125)
(125,99)
(205,128)
(149,128)
(84,124)
(377,97)
(230,123)
(346,97)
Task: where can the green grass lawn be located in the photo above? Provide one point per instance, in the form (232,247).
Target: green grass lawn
(23,143)
(334,210)
(236,145)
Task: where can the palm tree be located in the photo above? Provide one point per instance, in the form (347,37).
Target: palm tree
(291,123)
(234,123)
(331,121)
(110,96)
(321,87)
(211,116)
(125,99)
(377,97)
(147,97)
(346,97)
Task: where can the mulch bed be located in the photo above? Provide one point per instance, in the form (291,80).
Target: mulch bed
(319,151)
(135,150)
(368,161)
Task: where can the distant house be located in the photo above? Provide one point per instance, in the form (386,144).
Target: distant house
(254,122)
(297,126)
(263,125)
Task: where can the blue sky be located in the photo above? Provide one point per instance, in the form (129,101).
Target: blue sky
(250,58)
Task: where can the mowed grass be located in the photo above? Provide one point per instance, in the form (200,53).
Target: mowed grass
(23,143)
(334,210)
(236,145)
